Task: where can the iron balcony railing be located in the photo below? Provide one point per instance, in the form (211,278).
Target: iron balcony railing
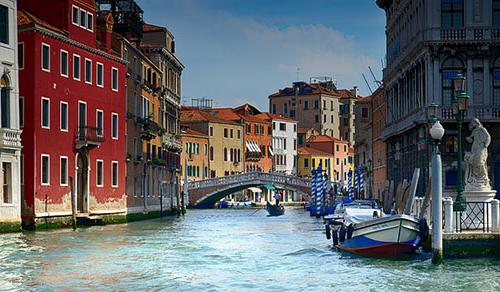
(87,134)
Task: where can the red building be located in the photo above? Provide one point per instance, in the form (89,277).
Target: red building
(72,84)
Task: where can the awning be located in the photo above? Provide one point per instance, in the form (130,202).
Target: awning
(270,150)
(255,190)
(269,187)
(249,147)
(256,147)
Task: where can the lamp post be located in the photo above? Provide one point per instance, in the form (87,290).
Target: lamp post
(459,109)
(437,132)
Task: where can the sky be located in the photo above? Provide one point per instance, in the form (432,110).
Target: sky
(238,51)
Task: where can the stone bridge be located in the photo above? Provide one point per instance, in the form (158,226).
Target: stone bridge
(205,193)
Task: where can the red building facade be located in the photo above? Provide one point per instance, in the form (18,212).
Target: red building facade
(72,85)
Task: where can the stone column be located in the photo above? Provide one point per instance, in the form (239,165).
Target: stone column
(495,216)
(448,214)
(470,80)
(436,83)
(486,82)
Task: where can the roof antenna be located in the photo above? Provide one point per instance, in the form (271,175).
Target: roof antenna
(371,91)
(379,83)
(298,73)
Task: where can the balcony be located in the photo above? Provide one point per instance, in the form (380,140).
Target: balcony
(150,129)
(483,113)
(88,137)
(171,142)
(10,139)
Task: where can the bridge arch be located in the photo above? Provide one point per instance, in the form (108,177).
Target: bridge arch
(204,194)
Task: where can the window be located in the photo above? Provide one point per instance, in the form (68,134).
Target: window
(231,132)
(100,75)
(99,173)
(63,123)
(74,15)
(20,56)
(239,134)
(211,131)
(316,104)
(324,118)
(496,13)
(364,112)
(452,13)
(225,154)
(90,22)
(45,57)
(7,182)
(225,133)
(114,126)
(211,153)
(82,114)
(114,174)
(45,113)
(313,163)
(282,127)
(4,24)
(63,171)
(76,67)
(114,79)
(331,119)
(45,171)
(451,67)
(294,127)
(337,147)
(284,143)
(285,108)
(83,18)
(88,71)
(496,82)
(4,103)
(274,108)
(316,118)
(306,105)
(99,122)
(21,112)
(64,63)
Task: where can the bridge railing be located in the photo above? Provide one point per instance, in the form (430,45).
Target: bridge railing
(251,176)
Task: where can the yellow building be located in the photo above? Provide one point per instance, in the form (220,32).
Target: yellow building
(312,158)
(225,141)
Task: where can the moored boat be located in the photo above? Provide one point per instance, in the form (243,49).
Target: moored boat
(275,210)
(390,236)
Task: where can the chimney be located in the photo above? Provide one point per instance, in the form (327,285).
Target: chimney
(105,29)
(355,91)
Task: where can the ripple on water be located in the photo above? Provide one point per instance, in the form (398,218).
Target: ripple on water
(214,250)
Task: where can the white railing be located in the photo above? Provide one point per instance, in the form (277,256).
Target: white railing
(171,141)
(274,177)
(480,112)
(10,138)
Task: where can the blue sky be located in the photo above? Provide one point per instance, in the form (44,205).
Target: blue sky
(238,51)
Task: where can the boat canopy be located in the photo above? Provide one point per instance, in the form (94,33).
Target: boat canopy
(358,215)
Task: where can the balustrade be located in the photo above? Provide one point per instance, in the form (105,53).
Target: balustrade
(10,138)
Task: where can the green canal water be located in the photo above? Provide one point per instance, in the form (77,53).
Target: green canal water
(213,250)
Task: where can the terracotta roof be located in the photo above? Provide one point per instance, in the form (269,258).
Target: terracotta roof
(312,151)
(230,114)
(345,93)
(301,130)
(313,88)
(196,115)
(24,18)
(191,132)
(245,108)
(269,117)
(364,99)
(324,138)
(151,28)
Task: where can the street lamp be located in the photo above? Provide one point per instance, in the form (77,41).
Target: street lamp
(459,109)
(437,132)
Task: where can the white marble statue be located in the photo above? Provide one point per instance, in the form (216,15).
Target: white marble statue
(476,169)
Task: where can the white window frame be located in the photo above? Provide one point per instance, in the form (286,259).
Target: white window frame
(41,57)
(60,116)
(96,120)
(117,173)
(92,22)
(97,74)
(60,164)
(97,173)
(41,113)
(21,112)
(77,15)
(112,126)
(80,18)
(67,63)
(86,115)
(79,67)
(24,60)
(85,71)
(41,170)
(117,86)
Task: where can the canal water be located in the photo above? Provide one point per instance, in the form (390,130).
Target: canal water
(229,250)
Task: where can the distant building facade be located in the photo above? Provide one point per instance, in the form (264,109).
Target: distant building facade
(428,43)
(378,180)
(10,120)
(194,156)
(320,106)
(284,145)
(363,139)
(309,158)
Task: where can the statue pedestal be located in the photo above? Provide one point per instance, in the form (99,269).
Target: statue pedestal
(477,215)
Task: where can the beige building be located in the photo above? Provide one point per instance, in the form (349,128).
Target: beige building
(319,106)
(194,156)
(225,141)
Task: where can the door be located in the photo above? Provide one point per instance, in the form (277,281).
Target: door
(81,188)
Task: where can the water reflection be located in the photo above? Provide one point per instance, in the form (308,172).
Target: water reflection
(218,250)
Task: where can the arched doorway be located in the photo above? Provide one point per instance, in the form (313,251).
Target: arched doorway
(82,167)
